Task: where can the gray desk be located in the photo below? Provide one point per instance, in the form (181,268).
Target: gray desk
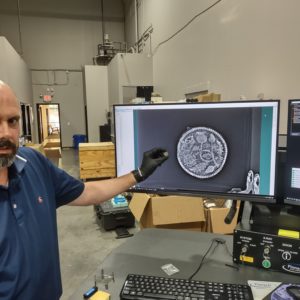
(150,249)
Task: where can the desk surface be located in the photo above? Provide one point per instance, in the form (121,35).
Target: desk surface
(150,249)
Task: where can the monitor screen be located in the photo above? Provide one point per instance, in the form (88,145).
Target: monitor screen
(218,149)
(292,178)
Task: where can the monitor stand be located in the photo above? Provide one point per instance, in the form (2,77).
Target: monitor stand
(265,217)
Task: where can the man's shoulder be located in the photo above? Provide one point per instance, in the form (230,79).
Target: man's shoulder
(31,155)
(27,152)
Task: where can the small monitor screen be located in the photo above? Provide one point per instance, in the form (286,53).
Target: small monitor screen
(292,178)
(220,148)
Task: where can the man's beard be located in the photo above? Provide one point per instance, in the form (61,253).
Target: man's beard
(6,160)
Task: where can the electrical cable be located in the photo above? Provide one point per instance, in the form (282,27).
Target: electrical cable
(219,241)
(186,25)
(201,262)
(232,211)
(228,251)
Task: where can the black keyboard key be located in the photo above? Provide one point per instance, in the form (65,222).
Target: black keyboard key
(159,296)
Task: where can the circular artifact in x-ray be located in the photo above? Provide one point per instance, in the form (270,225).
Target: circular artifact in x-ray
(202,152)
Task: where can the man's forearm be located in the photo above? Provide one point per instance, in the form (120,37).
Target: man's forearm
(96,192)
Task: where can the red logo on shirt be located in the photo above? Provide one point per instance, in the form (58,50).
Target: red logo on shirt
(40,199)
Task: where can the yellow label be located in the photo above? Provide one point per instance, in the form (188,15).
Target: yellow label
(100,295)
(289,233)
(246,259)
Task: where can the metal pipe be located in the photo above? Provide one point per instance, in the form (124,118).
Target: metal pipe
(67,71)
(102,18)
(19,26)
(136,21)
(150,45)
(58,70)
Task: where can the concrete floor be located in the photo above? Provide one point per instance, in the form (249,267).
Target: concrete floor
(83,243)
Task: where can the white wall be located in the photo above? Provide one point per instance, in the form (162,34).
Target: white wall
(128,69)
(114,81)
(236,48)
(96,93)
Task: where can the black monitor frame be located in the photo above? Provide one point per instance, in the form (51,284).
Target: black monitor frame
(198,192)
(292,194)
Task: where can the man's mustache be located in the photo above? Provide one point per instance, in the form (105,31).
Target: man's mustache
(8,144)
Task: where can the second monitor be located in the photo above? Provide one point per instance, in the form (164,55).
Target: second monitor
(223,149)
(292,175)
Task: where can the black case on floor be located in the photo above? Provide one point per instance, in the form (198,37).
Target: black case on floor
(111,217)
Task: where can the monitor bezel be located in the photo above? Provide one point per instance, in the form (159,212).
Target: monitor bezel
(267,199)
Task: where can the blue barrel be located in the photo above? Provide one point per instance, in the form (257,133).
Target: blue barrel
(78,138)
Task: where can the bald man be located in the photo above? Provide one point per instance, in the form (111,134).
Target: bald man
(31,188)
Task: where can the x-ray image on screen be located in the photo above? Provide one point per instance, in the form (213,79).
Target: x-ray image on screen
(227,147)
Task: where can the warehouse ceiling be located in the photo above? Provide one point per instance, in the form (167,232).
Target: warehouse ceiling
(70,9)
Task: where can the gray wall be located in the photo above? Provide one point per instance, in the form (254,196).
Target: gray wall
(57,36)
(60,33)
(96,91)
(238,48)
(70,98)
(14,71)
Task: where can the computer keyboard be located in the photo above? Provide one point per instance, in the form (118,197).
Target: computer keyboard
(143,287)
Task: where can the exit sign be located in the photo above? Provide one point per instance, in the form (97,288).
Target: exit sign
(47,98)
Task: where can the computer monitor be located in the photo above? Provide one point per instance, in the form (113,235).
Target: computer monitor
(292,167)
(217,149)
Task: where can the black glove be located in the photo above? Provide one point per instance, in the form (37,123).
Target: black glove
(151,160)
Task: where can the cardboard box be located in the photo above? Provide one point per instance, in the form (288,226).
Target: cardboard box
(215,217)
(211,97)
(175,212)
(54,154)
(50,143)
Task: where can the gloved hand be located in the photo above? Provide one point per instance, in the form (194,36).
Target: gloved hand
(151,160)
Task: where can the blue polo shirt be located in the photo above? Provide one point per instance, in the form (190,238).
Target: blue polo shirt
(29,258)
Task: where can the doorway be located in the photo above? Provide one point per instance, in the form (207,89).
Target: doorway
(49,127)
